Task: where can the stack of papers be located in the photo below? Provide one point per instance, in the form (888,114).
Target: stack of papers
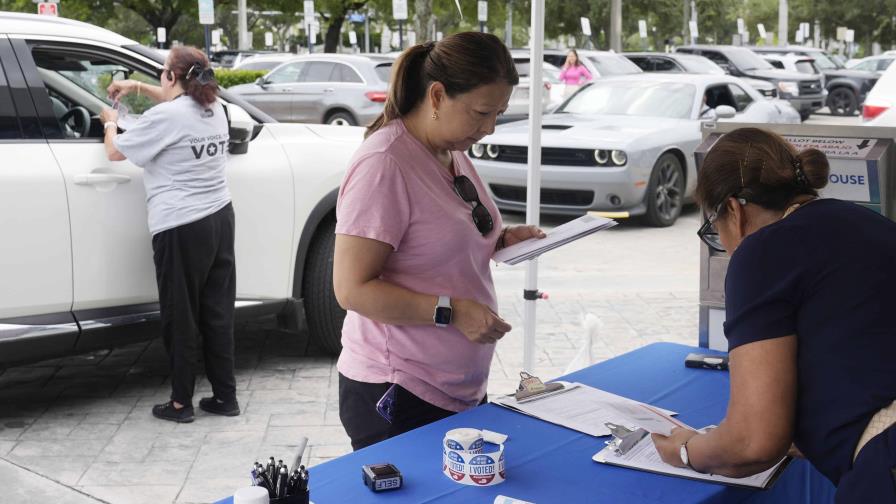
(557,237)
(583,408)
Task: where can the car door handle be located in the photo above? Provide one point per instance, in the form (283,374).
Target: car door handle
(286,90)
(96,179)
(329,90)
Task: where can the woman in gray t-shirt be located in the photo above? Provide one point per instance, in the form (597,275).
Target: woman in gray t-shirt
(181,144)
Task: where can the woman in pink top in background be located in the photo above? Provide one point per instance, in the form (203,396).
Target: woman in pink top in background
(574,73)
(415,233)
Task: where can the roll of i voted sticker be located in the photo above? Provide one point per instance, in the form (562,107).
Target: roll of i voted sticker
(471,466)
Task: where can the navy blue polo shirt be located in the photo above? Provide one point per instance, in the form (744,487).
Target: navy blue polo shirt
(826,273)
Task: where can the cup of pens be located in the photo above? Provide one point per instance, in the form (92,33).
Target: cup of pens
(282,486)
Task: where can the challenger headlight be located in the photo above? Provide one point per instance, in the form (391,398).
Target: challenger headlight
(601,156)
(492,151)
(618,157)
(789,87)
(478,150)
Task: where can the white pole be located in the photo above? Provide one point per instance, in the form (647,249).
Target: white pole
(533,181)
(782,22)
(242,27)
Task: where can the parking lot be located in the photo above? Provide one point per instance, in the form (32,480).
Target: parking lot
(84,422)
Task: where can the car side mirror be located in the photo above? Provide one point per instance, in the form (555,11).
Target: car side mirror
(261,82)
(725,112)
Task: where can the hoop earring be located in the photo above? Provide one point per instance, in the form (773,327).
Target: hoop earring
(435,115)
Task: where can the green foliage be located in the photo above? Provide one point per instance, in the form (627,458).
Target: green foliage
(227,78)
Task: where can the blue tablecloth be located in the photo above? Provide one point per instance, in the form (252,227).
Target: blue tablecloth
(551,464)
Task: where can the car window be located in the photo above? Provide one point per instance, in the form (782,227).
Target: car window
(719,95)
(777,64)
(716,57)
(613,64)
(260,65)
(286,74)
(806,67)
(9,124)
(634,98)
(868,66)
(317,71)
(384,72)
(745,59)
(741,98)
(664,65)
(699,64)
(884,63)
(642,61)
(345,73)
(823,61)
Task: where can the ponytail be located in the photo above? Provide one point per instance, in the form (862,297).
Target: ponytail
(461,62)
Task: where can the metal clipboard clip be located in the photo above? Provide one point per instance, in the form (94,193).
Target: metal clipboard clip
(624,439)
(531,388)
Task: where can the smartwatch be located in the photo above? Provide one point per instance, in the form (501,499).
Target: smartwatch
(442,315)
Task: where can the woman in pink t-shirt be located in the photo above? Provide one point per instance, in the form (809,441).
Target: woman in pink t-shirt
(574,73)
(415,233)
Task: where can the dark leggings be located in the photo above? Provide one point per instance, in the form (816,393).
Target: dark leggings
(365,426)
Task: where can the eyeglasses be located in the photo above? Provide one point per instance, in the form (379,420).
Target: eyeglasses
(708,233)
(465,188)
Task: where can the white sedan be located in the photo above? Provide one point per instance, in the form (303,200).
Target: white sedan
(622,144)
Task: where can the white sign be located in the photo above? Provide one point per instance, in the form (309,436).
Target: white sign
(693,27)
(483,11)
(799,36)
(399,9)
(206,12)
(806,30)
(642,28)
(48,9)
(353,38)
(268,39)
(439,36)
(308,10)
(850,35)
(161,34)
(395,40)
(586,26)
(216,36)
(848,180)
(385,39)
(836,147)
(761,28)
(841,33)
(740,25)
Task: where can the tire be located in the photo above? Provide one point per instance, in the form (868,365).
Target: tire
(341,118)
(665,191)
(323,313)
(842,102)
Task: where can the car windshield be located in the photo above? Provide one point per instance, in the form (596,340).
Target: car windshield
(701,65)
(823,62)
(384,71)
(613,64)
(745,59)
(626,97)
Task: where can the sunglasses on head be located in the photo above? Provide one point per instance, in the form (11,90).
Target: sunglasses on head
(708,233)
(465,188)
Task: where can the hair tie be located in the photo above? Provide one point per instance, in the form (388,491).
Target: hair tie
(801,179)
(206,76)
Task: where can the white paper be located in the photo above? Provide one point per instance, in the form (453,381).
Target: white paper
(557,237)
(643,456)
(648,418)
(581,408)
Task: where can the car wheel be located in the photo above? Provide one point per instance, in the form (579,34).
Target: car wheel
(323,313)
(842,102)
(341,119)
(665,192)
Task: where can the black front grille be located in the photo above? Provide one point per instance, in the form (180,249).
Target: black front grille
(549,156)
(564,197)
(810,87)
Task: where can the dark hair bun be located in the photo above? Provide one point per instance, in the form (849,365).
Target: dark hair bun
(816,167)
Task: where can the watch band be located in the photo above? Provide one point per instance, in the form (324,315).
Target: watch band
(442,313)
(109,124)
(688,456)
(444,302)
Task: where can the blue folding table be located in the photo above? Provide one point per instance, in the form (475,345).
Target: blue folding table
(546,463)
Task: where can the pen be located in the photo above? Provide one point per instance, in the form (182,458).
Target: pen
(281,482)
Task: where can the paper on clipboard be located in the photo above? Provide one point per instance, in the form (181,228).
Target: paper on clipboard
(557,237)
(578,407)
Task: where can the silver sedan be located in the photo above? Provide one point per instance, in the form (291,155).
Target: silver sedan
(622,144)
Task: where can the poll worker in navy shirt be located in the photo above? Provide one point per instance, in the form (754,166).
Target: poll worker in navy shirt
(810,299)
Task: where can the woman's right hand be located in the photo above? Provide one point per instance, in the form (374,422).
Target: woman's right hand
(121,88)
(477,322)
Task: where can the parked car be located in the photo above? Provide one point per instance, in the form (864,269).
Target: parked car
(336,89)
(518,105)
(806,94)
(873,63)
(265,62)
(882,96)
(229,58)
(622,144)
(846,88)
(599,63)
(692,63)
(78,272)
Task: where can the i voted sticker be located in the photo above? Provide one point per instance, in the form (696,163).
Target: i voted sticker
(470,466)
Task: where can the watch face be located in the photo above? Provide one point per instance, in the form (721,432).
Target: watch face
(443,315)
(683,452)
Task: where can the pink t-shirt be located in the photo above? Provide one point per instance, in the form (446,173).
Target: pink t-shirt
(575,75)
(396,192)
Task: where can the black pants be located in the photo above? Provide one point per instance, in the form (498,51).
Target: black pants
(365,426)
(196,274)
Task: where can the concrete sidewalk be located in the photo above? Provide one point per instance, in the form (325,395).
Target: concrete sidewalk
(22,486)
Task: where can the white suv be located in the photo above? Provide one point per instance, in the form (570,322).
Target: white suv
(75,252)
